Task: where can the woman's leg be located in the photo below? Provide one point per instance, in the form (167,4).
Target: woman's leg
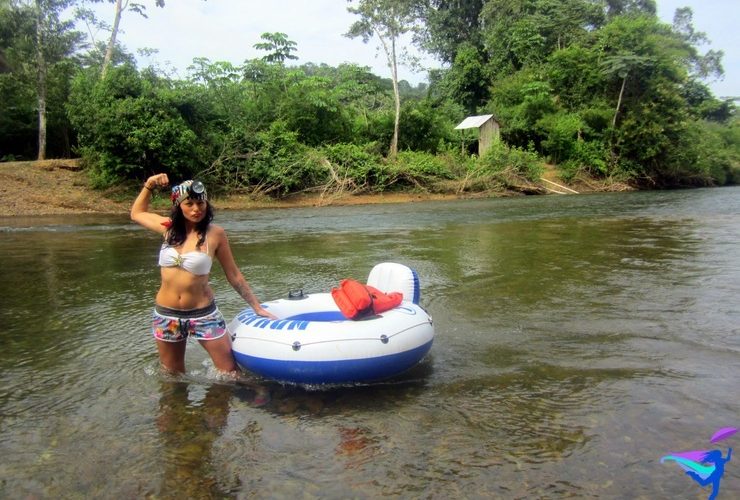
(220,351)
(223,359)
(172,355)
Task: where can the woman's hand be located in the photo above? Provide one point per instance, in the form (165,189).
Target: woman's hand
(157,180)
(265,313)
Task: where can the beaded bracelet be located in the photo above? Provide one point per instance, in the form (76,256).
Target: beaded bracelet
(147,187)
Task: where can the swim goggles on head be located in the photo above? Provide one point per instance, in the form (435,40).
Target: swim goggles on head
(195,190)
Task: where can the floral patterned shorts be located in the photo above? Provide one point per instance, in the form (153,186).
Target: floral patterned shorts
(176,325)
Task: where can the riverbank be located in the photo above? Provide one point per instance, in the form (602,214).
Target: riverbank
(58,187)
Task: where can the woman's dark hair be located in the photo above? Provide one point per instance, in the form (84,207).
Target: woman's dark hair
(176,233)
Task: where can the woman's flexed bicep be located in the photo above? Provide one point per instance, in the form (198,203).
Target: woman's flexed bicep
(140,212)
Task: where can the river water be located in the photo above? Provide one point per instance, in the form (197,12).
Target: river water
(578,340)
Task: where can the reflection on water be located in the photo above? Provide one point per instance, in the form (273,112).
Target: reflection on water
(188,429)
(579,339)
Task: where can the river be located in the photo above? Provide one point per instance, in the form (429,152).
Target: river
(578,340)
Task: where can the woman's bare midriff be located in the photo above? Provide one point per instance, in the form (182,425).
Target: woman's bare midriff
(183,290)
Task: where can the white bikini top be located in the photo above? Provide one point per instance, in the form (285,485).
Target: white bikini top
(198,263)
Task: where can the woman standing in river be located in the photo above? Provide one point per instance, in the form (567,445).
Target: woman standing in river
(185,305)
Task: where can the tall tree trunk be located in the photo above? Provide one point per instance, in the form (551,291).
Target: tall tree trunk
(41,82)
(619,102)
(112,41)
(614,157)
(390,53)
(397,96)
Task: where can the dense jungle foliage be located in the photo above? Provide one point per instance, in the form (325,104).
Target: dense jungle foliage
(600,87)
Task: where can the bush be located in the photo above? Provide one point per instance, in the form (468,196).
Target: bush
(278,164)
(500,167)
(128,127)
(561,132)
(502,159)
(419,169)
(708,154)
(356,168)
(423,127)
(587,156)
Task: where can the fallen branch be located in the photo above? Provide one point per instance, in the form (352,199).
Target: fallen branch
(558,185)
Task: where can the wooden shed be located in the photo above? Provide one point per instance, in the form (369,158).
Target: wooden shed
(488,130)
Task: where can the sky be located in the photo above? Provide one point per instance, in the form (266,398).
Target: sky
(226,30)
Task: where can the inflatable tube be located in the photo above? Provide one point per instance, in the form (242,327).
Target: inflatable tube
(313,343)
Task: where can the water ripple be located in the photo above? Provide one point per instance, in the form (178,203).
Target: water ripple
(577,339)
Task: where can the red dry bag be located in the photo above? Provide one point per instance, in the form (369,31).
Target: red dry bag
(384,301)
(356,300)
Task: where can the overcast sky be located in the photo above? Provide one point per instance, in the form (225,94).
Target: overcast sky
(226,30)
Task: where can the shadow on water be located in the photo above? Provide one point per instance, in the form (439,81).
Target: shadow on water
(188,427)
(193,415)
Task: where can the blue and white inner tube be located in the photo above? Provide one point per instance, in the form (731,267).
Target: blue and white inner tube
(313,343)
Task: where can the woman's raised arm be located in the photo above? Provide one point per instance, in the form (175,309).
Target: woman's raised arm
(140,209)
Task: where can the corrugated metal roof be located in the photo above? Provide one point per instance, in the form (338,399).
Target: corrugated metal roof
(473,121)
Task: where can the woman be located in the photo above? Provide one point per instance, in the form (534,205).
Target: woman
(185,305)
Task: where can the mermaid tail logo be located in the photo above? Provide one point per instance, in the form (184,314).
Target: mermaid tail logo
(690,464)
(705,467)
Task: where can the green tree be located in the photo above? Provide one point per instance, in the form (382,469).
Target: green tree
(575,76)
(387,20)
(54,42)
(452,31)
(18,134)
(708,65)
(621,7)
(449,24)
(311,107)
(38,48)
(468,80)
(119,8)
(522,32)
(579,79)
(278,46)
(621,65)
(132,124)
(363,95)
(426,126)
(650,101)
